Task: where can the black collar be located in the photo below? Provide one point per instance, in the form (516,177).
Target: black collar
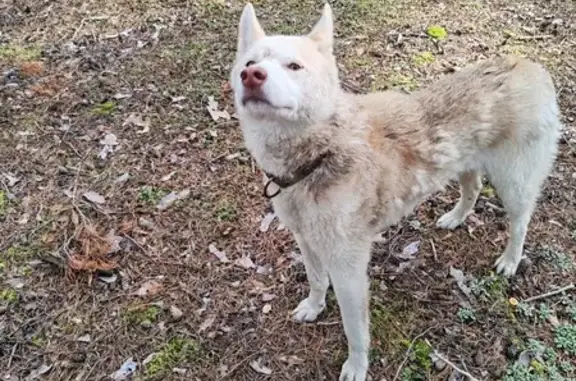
(301,173)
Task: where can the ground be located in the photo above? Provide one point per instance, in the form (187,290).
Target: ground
(106,108)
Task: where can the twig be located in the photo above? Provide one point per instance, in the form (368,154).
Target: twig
(409,350)
(451,364)
(12,355)
(434,250)
(538,37)
(78,29)
(551,293)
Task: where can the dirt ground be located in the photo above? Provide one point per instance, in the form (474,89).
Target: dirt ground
(132,225)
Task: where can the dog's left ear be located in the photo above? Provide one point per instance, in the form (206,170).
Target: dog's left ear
(323,31)
(249,29)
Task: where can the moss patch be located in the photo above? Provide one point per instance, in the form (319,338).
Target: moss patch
(170,355)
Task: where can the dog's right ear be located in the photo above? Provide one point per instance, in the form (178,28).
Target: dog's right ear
(249,30)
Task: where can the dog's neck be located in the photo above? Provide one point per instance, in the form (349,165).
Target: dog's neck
(283,148)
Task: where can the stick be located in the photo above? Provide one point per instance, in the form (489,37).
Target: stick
(408,352)
(538,37)
(451,364)
(551,293)
(434,250)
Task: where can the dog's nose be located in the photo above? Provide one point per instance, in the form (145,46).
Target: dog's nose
(253,77)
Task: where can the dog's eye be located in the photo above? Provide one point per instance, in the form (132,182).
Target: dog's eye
(294,66)
(250,63)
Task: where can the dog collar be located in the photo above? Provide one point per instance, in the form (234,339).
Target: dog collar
(300,174)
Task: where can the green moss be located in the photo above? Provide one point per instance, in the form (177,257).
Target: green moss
(151,195)
(226,211)
(18,254)
(488,191)
(3,202)
(19,53)
(423,58)
(141,314)
(39,340)
(437,32)
(419,363)
(8,296)
(170,355)
(104,109)
(385,320)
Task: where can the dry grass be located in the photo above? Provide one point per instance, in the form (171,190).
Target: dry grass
(75,72)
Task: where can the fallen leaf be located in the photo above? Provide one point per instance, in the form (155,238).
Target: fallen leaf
(168,176)
(109,140)
(150,287)
(258,367)
(136,120)
(245,262)
(176,312)
(125,370)
(214,112)
(264,270)
(219,254)
(458,275)
(94,197)
(84,339)
(268,297)
(178,99)
(38,372)
(525,358)
(410,251)
(207,323)
(172,197)
(119,96)
(291,360)
(266,221)
(12,180)
(149,358)
(122,178)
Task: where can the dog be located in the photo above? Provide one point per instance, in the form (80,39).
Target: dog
(340,167)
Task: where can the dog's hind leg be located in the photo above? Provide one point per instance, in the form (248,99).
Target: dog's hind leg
(309,308)
(518,184)
(470,186)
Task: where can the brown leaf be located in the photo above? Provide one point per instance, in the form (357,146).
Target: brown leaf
(214,112)
(94,197)
(150,287)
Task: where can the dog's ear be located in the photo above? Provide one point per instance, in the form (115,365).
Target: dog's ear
(323,31)
(249,29)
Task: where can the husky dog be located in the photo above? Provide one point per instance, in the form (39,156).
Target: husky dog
(342,167)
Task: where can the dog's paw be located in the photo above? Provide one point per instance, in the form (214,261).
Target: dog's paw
(451,220)
(354,369)
(507,265)
(307,311)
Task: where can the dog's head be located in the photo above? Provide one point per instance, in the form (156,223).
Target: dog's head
(284,78)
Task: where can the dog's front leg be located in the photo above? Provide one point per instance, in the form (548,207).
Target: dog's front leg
(348,273)
(314,304)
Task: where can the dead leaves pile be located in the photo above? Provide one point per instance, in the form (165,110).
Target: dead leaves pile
(94,251)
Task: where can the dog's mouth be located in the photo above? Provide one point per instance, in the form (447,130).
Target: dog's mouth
(257,97)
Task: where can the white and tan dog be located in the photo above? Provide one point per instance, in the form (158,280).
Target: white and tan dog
(341,167)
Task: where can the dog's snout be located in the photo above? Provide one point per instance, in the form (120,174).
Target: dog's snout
(253,77)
